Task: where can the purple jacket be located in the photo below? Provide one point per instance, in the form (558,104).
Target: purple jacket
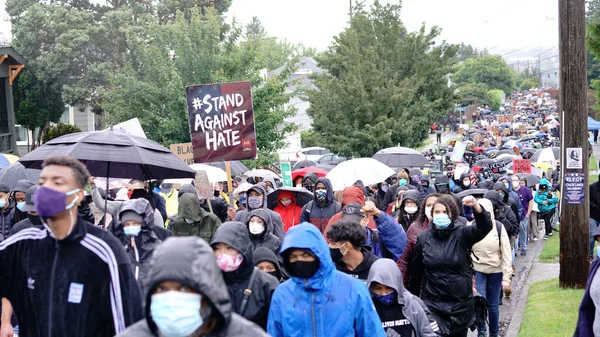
(587,310)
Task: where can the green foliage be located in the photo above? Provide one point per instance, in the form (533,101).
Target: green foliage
(495,98)
(491,70)
(529,83)
(382,86)
(58,130)
(307,138)
(474,92)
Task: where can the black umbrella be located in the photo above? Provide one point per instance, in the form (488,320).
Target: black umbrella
(399,157)
(113,154)
(237,167)
(474,192)
(484,162)
(414,172)
(532,179)
(302,195)
(303,164)
(507,151)
(15,172)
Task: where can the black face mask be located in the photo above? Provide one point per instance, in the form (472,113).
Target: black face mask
(336,254)
(35,220)
(442,189)
(275,274)
(217,194)
(304,269)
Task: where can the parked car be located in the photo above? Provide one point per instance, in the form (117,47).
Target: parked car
(330,159)
(311,153)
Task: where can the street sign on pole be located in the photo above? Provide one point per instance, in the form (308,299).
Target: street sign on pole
(286,174)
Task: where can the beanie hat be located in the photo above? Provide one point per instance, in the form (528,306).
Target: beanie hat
(4,188)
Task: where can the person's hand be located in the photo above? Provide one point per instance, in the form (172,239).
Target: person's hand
(92,184)
(505,285)
(6,330)
(230,216)
(545,202)
(371,211)
(470,201)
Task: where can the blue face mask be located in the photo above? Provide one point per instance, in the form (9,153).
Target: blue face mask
(402,182)
(501,195)
(176,314)
(386,299)
(441,221)
(19,206)
(321,195)
(132,230)
(2,203)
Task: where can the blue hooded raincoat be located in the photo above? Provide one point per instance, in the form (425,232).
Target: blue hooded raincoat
(329,304)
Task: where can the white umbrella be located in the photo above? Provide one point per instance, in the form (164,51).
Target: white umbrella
(546,155)
(214,174)
(368,170)
(261,173)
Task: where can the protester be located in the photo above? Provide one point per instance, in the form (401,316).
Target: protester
(267,261)
(217,204)
(447,291)
(170,195)
(526,198)
(309,181)
(68,246)
(399,310)
(420,224)
(492,261)
(260,227)
(7,205)
(409,208)
(249,288)
(288,209)
(186,295)
(158,200)
(323,208)
(465,183)
(507,181)
(594,190)
(546,201)
(192,220)
(33,220)
(18,195)
(402,180)
(426,184)
(316,286)
(257,199)
(504,194)
(346,240)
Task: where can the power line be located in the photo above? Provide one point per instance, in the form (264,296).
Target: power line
(516,50)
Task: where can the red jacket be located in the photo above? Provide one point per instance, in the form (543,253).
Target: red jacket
(289,215)
(405,261)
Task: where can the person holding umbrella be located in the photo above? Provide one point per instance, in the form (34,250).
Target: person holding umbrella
(288,209)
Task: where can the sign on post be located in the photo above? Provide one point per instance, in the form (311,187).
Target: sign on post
(221,120)
(184,152)
(521,166)
(575,188)
(286,174)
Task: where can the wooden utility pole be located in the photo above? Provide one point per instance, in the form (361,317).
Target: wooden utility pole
(350,9)
(575,218)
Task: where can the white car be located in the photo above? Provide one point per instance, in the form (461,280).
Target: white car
(311,153)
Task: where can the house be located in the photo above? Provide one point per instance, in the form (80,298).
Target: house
(299,79)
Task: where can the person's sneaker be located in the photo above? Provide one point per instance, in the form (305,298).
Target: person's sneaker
(545,237)
(535,239)
(514,272)
(523,252)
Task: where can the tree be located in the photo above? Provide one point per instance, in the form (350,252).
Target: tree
(529,83)
(474,92)
(491,70)
(593,9)
(466,52)
(381,86)
(495,99)
(58,130)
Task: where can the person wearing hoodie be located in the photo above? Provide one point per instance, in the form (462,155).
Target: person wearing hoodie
(7,206)
(426,184)
(267,261)
(526,198)
(492,261)
(403,179)
(193,220)
(588,323)
(594,190)
(309,181)
(546,201)
(442,264)
(320,211)
(260,228)
(382,188)
(409,208)
(18,196)
(33,220)
(135,230)
(507,181)
(340,305)
(257,199)
(186,295)
(249,288)
(288,209)
(346,240)
(419,225)
(504,194)
(504,215)
(442,186)
(465,183)
(400,311)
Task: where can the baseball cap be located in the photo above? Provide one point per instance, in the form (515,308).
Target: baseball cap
(29,202)
(352,212)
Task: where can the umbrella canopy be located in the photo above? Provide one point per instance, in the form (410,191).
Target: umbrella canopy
(302,195)
(16,172)
(324,167)
(304,164)
(400,157)
(492,149)
(237,167)
(243,188)
(474,192)
(261,173)
(7,159)
(368,170)
(532,179)
(484,162)
(548,154)
(302,172)
(512,143)
(113,154)
(415,172)
(478,149)
(501,152)
(528,150)
(215,174)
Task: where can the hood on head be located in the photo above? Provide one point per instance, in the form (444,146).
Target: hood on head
(544,181)
(264,215)
(353,194)
(413,195)
(425,177)
(307,236)
(463,176)
(493,196)
(140,206)
(329,188)
(310,177)
(442,179)
(189,207)
(262,254)
(191,261)
(260,189)
(235,234)
(271,180)
(387,273)
(500,186)
(285,194)
(360,184)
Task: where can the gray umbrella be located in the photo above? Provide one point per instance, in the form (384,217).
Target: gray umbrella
(532,179)
(473,192)
(302,195)
(113,154)
(399,157)
(303,164)
(237,167)
(16,172)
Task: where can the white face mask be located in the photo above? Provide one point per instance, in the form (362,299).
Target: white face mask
(411,209)
(516,184)
(428,213)
(256,227)
(466,182)
(188,220)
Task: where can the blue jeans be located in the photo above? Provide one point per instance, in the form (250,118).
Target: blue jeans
(593,229)
(490,286)
(523,229)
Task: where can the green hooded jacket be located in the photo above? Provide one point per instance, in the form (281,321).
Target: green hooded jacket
(192,220)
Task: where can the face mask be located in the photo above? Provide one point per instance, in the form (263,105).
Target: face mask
(217,194)
(176,314)
(132,230)
(442,221)
(443,189)
(228,263)
(310,188)
(255,202)
(49,202)
(274,274)
(507,186)
(516,184)
(129,193)
(20,206)
(466,183)
(501,195)
(321,195)
(304,269)
(167,191)
(256,227)
(286,203)
(188,220)
(428,212)
(402,182)
(386,299)
(384,188)
(411,209)
(336,254)
(34,219)
(2,203)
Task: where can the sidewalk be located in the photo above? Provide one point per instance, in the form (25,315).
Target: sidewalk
(446,136)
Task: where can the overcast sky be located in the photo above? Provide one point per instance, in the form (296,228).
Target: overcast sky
(501,26)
